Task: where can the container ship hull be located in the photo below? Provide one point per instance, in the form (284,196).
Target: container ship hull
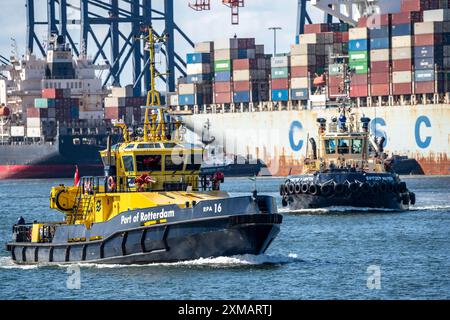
(279,138)
(58,160)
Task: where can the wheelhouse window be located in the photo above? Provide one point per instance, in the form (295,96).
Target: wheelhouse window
(175,164)
(344,146)
(148,163)
(194,162)
(330,146)
(128,163)
(357,146)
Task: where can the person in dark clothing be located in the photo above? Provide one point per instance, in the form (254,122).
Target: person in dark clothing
(21,221)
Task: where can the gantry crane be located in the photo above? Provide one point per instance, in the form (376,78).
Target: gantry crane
(234,5)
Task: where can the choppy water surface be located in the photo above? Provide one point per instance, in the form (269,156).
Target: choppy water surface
(319,254)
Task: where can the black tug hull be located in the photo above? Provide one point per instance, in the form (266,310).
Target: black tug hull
(179,241)
(344,188)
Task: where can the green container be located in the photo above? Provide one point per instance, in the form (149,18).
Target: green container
(336,69)
(44,103)
(360,67)
(222,65)
(359,56)
(280,73)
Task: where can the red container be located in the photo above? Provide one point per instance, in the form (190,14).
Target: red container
(54,93)
(427,39)
(316,28)
(280,84)
(244,64)
(241,86)
(424,87)
(335,81)
(222,87)
(359,79)
(379,66)
(345,38)
(223,97)
(402,65)
(401,88)
(37,113)
(359,91)
(406,17)
(301,72)
(379,89)
(115,112)
(374,20)
(418,5)
(379,78)
(336,91)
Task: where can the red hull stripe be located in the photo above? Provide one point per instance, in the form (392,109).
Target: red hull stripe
(46,171)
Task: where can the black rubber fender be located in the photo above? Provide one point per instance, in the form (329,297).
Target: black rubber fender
(284,201)
(390,187)
(383,187)
(298,188)
(375,188)
(365,187)
(326,190)
(353,187)
(339,188)
(58,205)
(314,189)
(405,198)
(412,198)
(282,191)
(401,187)
(305,187)
(291,188)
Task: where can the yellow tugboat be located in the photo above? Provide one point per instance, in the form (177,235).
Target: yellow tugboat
(152,205)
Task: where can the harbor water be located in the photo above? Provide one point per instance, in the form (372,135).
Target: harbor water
(319,254)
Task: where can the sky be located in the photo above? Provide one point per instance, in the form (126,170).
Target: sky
(255,19)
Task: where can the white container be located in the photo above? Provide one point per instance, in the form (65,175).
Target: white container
(401,41)
(114,102)
(280,62)
(299,83)
(174,100)
(198,68)
(402,77)
(17,131)
(225,54)
(316,38)
(401,53)
(427,28)
(123,92)
(204,47)
(34,132)
(436,15)
(226,44)
(186,88)
(303,60)
(379,55)
(303,49)
(357,33)
(34,122)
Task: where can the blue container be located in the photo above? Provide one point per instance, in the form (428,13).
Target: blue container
(199,78)
(242,54)
(446,38)
(379,43)
(241,96)
(426,63)
(427,51)
(380,32)
(222,76)
(74,112)
(280,95)
(402,30)
(299,94)
(189,99)
(198,58)
(424,75)
(297,39)
(357,45)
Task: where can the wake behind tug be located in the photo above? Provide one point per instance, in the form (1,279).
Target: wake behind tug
(346,168)
(151,206)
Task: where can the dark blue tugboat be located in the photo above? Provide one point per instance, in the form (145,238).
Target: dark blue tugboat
(346,168)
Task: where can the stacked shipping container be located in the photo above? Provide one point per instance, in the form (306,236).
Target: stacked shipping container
(303,66)
(358,49)
(380,41)
(280,77)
